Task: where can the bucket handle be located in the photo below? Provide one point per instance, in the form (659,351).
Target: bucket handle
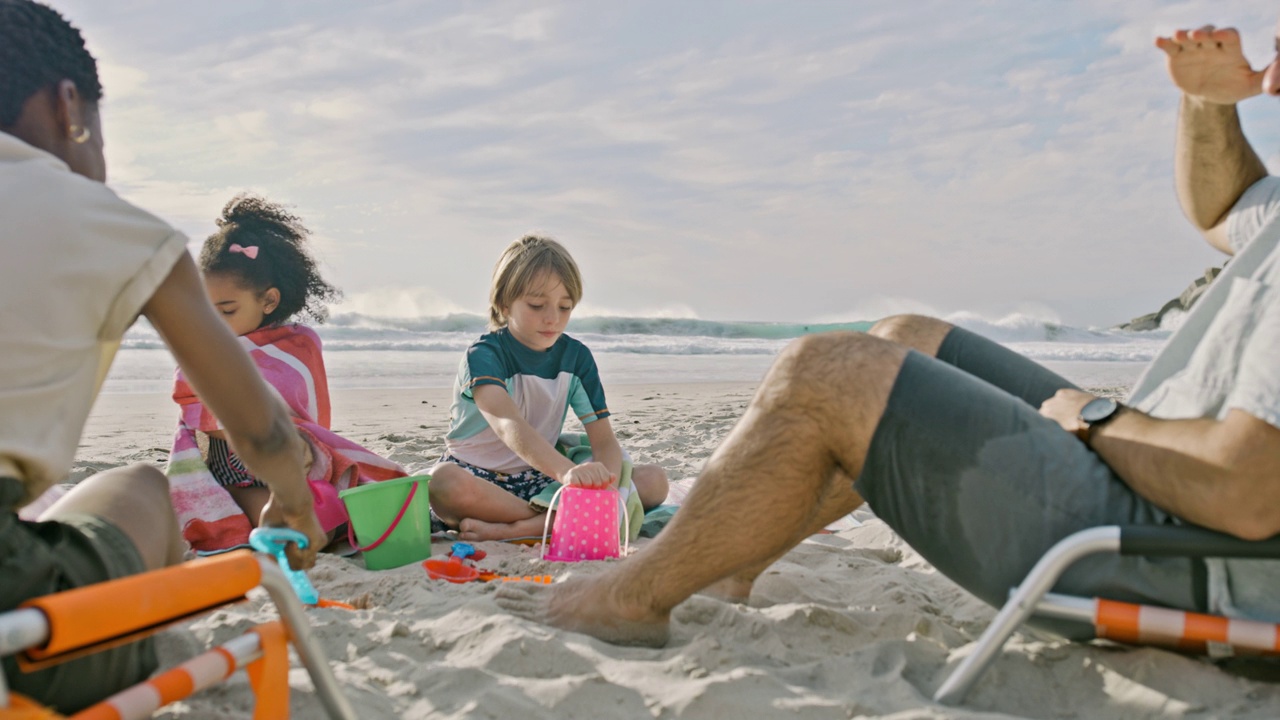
(351,536)
(622,507)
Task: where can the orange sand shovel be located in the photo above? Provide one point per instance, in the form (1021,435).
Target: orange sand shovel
(453,569)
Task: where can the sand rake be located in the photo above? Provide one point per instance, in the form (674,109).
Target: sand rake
(56,628)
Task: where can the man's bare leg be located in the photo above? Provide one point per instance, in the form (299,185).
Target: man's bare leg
(918,332)
(136,500)
(839,500)
(814,413)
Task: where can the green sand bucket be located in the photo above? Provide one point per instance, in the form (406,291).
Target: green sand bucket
(392,521)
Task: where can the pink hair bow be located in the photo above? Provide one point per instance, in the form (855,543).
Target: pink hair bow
(250,252)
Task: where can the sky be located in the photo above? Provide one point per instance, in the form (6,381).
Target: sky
(771,160)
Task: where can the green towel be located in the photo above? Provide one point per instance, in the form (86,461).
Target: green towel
(575,447)
(656,519)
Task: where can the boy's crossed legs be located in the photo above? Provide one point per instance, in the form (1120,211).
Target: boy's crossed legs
(458,496)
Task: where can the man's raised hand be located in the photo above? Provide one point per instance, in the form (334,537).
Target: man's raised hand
(1209,64)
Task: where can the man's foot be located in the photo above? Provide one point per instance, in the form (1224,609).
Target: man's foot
(586,605)
(730,589)
(473,530)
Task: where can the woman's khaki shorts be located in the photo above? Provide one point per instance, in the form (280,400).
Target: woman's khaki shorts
(38,558)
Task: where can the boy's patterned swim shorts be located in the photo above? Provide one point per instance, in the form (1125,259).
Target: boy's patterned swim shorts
(525,484)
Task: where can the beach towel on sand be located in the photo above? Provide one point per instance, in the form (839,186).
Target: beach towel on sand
(288,356)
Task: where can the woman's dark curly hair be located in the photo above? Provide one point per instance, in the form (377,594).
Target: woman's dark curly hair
(38,49)
(282,261)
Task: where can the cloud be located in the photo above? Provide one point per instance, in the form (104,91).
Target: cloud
(764,161)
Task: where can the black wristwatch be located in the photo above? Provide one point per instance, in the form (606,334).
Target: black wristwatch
(1097,411)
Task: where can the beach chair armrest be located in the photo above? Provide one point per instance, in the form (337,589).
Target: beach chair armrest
(1192,541)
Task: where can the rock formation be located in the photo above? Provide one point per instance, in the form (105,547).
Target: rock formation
(1183,303)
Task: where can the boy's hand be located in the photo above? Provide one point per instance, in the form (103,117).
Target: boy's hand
(590,474)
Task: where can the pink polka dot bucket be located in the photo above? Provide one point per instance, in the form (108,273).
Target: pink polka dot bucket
(586,524)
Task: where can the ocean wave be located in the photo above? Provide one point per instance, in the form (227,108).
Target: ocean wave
(604,325)
(1036,337)
(1102,352)
(1020,327)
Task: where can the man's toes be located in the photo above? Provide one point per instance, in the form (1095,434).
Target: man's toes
(514,593)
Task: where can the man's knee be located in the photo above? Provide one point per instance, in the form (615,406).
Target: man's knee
(919,332)
(830,351)
(833,367)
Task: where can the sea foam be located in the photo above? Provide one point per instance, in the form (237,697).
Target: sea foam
(375,351)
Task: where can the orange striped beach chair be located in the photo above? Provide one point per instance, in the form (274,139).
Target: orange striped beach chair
(1119,621)
(51,629)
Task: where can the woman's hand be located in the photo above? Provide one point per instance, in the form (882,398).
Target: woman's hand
(302,519)
(590,474)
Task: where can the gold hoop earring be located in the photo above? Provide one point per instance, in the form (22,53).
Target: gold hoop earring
(81,137)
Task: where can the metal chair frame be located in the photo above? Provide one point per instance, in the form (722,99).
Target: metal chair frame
(1124,622)
(34,632)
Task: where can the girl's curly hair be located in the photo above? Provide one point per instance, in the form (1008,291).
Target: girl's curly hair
(282,260)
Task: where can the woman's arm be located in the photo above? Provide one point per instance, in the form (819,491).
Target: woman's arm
(256,422)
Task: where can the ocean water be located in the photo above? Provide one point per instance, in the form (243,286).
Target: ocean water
(423,352)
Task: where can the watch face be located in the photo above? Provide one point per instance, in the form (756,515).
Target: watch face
(1098,409)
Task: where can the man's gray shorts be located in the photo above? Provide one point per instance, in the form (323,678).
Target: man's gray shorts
(966,470)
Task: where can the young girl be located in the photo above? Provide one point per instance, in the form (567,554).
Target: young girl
(259,275)
(513,392)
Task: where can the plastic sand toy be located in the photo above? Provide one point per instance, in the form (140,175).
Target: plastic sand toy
(272,541)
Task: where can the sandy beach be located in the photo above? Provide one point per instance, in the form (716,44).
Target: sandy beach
(849,624)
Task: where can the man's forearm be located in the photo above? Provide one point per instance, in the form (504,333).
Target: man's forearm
(1214,162)
(1196,469)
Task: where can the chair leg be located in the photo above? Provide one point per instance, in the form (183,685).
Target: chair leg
(294,616)
(1022,604)
(269,674)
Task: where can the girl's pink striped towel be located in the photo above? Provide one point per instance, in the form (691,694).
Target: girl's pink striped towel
(288,356)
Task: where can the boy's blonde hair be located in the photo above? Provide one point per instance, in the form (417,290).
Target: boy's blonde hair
(524,262)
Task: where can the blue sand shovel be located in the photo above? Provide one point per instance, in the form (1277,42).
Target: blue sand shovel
(272,541)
